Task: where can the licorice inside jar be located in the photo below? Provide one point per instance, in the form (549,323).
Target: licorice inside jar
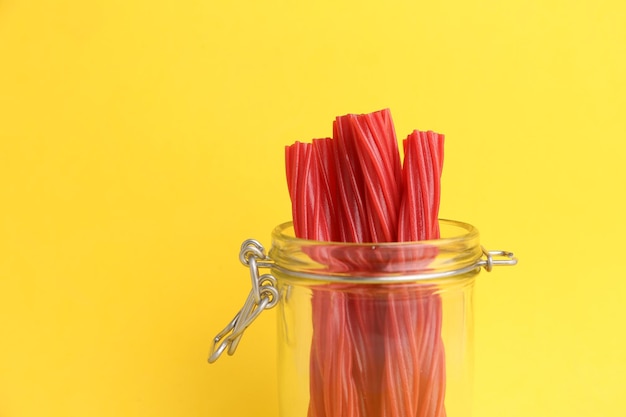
(372,330)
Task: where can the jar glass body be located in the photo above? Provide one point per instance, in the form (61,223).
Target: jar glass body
(373,330)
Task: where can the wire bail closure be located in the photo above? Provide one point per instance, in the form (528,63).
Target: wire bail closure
(496,258)
(264,292)
(262,296)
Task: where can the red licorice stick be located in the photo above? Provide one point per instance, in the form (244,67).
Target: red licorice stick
(378,156)
(351,215)
(312,187)
(379,159)
(423,162)
(298,161)
(322,164)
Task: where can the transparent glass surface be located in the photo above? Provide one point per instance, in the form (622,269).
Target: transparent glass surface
(373,330)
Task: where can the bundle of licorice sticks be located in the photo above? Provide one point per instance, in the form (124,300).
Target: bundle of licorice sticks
(375,351)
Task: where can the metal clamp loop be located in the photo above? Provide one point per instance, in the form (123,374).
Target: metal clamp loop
(496,258)
(262,296)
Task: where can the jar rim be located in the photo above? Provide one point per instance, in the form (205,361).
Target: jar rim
(457,252)
(280,232)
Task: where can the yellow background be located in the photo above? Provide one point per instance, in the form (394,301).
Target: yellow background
(142,141)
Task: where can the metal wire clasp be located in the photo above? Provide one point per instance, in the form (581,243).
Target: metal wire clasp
(496,258)
(263,296)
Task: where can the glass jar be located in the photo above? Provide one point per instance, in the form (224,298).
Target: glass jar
(368,330)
